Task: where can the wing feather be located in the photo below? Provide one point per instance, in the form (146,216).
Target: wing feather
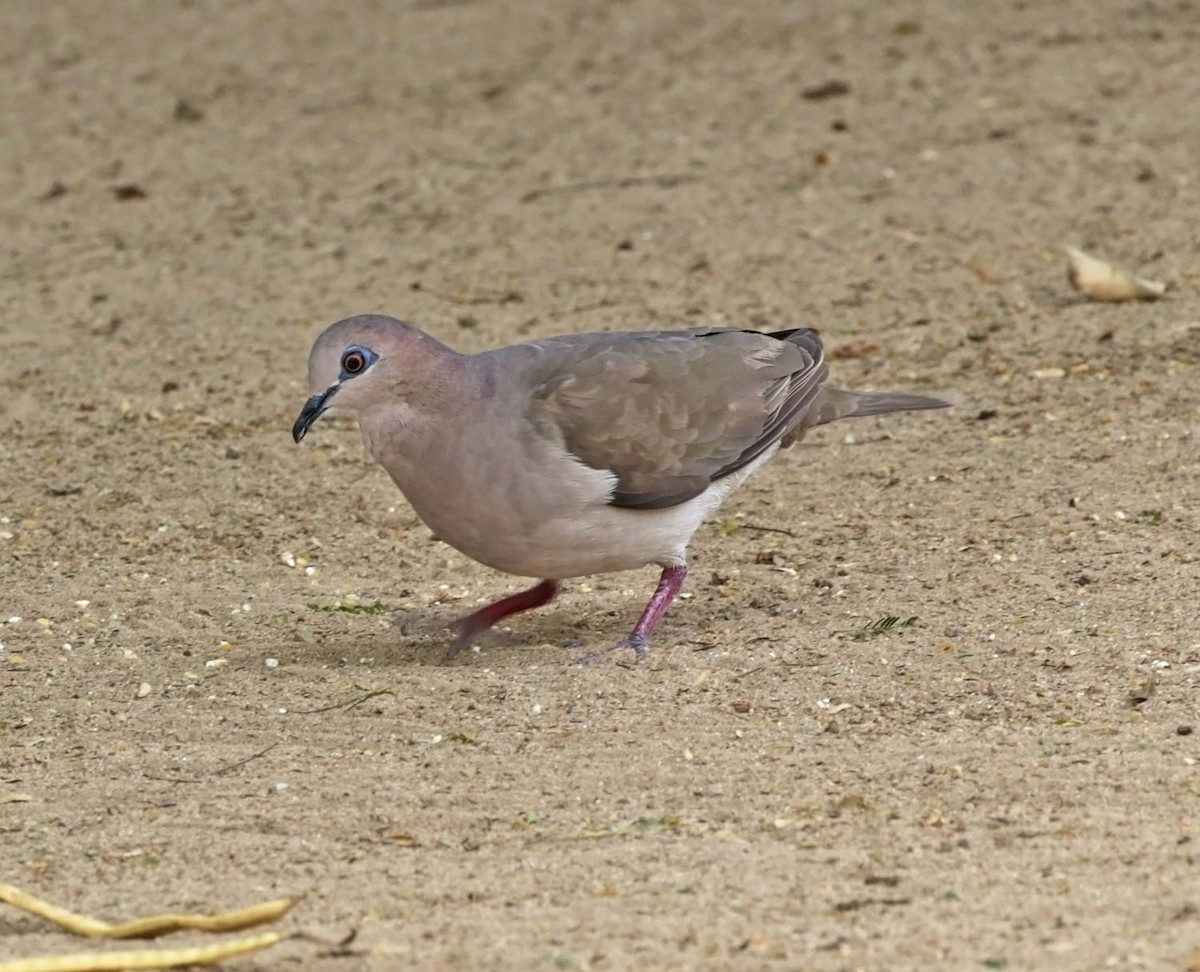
(668,413)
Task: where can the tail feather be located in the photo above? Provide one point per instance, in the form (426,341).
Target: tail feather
(877,403)
(836,403)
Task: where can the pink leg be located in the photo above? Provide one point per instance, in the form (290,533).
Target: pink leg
(490,614)
(669,586)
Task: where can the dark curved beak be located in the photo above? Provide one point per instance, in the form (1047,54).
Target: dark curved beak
(313,409)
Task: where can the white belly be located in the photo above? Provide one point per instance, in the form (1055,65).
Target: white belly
(487,502)
(598,538)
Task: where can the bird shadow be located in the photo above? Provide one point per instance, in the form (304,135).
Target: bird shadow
(435,631)
(424,635)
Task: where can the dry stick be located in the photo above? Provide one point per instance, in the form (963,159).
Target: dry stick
(243,762)
(584,308)
(766,529)
(343,705)
(154,958)
(668,181)
(151,927)
(496,297)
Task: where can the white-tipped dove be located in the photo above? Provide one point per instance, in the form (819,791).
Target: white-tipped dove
(579,454)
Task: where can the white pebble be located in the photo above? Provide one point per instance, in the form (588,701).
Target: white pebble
(216,663)
(536,708)
(81,604)
(272,663)
(15,619)
(280,787)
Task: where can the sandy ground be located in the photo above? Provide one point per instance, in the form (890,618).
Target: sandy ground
(190,190)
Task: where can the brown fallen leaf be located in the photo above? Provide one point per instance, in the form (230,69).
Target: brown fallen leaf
(1102,281)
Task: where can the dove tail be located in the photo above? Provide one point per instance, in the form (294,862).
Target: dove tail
(878,403)
(837,403)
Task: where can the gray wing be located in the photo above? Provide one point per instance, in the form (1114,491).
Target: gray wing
(668,413)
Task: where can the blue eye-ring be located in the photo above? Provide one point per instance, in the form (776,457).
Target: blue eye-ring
(356,360)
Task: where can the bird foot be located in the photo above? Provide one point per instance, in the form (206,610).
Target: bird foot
(466,634)
(638,644)
(487,616)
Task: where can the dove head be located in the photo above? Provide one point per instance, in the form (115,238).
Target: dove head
(369,362)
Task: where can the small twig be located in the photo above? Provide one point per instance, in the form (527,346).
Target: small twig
(885,625)
(343,705)
(154,958)
(243,762)
(766,529)
(151,927)
(473,163)
(583,308)
(370,695)
(333,949)
(495,297)
(667,181)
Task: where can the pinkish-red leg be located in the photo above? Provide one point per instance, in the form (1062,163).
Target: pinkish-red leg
(669,586)
(490,614)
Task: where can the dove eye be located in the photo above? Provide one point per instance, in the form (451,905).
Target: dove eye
(354,361)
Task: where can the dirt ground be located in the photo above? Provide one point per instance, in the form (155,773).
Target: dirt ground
(190,190)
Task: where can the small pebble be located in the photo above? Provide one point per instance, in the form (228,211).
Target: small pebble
(144,689)
(272,663)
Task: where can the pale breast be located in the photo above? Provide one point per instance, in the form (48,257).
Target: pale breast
(524,510)
(561,540)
